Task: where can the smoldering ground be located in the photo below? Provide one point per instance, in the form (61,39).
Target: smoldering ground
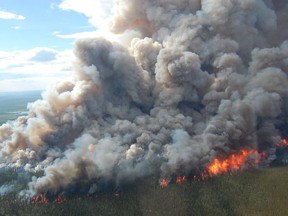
(189,80)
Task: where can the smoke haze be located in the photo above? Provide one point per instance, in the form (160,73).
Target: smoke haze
(189,80)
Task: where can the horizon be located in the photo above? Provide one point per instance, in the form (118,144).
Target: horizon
(15,104)
(23,91)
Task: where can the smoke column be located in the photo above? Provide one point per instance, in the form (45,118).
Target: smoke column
(189,80)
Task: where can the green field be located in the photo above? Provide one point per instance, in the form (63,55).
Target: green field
(14,104)
(254,192)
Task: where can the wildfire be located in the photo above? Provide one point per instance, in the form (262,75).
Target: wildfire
(233,162)
(39,199)
(264,155)
(284,142)
(60,199)
(42,199)
(164,183)
(181,180)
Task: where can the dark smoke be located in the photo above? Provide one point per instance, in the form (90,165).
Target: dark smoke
(200,78)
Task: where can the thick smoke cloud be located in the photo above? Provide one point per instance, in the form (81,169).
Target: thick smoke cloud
(200,78)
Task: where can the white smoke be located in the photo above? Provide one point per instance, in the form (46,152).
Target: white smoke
(5,189)
(198,79)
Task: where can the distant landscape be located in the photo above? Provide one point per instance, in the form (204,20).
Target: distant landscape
(14,104)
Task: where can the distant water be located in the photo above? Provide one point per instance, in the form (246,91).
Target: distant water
(14,104)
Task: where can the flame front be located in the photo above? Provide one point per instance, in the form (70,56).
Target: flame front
(40,199)
(60,199)
(283,143)
(233,162)
(181,180)
(164,183)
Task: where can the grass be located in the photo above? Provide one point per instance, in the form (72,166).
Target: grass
(255,192)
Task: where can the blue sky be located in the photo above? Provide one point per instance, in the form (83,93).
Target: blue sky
(42,19)
(37,36)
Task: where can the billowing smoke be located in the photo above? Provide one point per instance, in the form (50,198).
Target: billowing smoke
(198,78)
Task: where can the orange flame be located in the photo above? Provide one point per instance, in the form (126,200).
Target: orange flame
(164,183)
(39,199)
(60,199)
(181,180)
(233,162)
(264,155)
(283,143)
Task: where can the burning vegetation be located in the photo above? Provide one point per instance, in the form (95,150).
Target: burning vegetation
(39,199)
(190,87)
(43,199)
(283,143)
(164,183)
(233,163)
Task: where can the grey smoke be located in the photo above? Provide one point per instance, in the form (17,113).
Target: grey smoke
(199,79)
(5,189)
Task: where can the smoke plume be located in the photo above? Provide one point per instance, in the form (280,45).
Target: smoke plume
(189,80)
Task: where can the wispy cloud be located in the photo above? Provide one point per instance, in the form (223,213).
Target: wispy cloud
(98,14)
(44,55)
(33,69)
(15,27)
(28,83)
(76,35)
(97,11)
(89,34)
(9,15)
